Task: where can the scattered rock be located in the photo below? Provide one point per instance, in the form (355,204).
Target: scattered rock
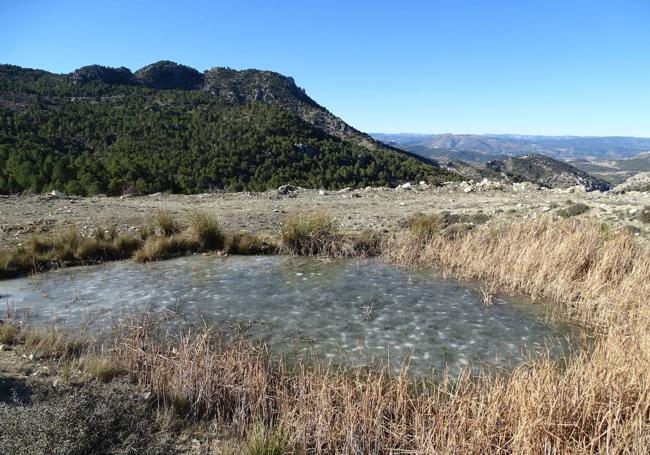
(287,190)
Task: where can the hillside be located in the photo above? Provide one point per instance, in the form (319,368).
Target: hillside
(169,127)
(483,148)
(539,169)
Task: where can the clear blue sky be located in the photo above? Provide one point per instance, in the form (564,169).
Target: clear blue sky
(538,67)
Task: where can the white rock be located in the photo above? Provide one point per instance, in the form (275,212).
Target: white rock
(322,192)
(57,193)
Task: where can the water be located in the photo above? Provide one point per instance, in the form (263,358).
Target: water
(351,311)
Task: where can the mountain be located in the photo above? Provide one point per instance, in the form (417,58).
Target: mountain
(539,169)
(169,127)
(483,148)
(615,171)
(546,172)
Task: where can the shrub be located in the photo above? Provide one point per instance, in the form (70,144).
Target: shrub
(573,210)
(314,234)
(90,420)
(205,231)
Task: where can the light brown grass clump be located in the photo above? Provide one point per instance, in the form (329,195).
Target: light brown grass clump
(205,231)
(603,277)
(313,234)
(596,403)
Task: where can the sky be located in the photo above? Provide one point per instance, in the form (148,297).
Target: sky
(569,67)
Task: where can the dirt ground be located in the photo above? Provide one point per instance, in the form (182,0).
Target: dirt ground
(380,209)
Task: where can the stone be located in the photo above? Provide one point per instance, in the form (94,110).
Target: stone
(285,190)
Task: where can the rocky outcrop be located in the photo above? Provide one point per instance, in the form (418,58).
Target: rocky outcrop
(638,182)
(105,74)
(545,172)
(274,88)
(169,75)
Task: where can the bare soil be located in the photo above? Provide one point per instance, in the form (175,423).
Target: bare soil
(379,209)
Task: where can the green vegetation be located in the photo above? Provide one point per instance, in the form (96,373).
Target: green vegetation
(94,137)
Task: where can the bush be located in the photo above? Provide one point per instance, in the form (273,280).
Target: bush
(205,231)
(92,420)
(573,210)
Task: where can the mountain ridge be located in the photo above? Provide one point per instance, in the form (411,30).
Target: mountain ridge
(486,147)
(168,127)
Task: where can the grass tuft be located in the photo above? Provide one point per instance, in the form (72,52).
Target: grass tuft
(204,230)
(246,243)
(157,248)
(313,234)
(166,225)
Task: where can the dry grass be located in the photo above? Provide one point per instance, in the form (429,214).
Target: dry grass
(601,276)
(157,248)
(205,231)
(166,225)
(319,234)
(573,210)
(596,402)
(246,243)
(65,249)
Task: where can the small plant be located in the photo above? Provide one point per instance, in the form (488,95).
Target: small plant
(8,332)
(204,230)
(156,248)
(314,234)
(102,368)
(573,210)
(166,224)
(246,243)
(424,227)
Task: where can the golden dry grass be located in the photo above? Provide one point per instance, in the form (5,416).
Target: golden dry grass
(595,401)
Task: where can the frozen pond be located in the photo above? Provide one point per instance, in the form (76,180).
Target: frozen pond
(350,311)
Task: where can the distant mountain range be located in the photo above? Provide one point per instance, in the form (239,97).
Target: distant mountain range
(483,148)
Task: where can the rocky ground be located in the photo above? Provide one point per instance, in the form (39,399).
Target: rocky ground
(358,210)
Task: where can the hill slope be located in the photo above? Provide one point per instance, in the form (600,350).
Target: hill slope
(539,169)
(168,127)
